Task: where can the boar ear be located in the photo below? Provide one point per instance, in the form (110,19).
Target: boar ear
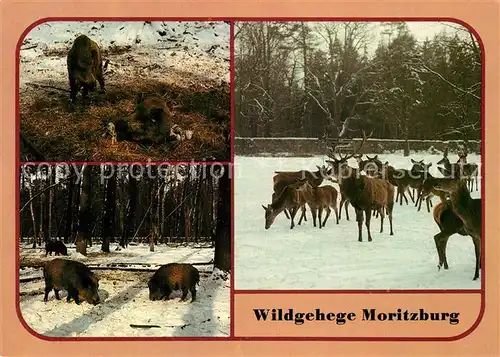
(105,67)
(140,97)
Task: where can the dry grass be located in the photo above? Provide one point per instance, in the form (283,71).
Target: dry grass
(63,135)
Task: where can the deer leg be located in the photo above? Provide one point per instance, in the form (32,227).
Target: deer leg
(359,219)
(314,213)
(303,214)
(477,249)
(286,213)
(293,212)
(336,212)
(382,215)
(419,201)
(403,189)
(388,211)
(439,239)
(346,211)
(412,196)
(328,211)
(368,213)
(320,213)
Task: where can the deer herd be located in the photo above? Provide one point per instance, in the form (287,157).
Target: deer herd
(369,189)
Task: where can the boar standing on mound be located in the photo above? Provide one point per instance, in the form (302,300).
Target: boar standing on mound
(173,276)
(84,67)
(55,246)
(74,277)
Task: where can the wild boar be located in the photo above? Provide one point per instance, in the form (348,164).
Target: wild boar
(85,66)
(74,277)
(174,276)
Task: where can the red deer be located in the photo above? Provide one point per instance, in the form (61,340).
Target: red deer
(460,169)
(319,199)
(418,173)
(468,210)
(315,178)
(278,188)
(365,194)
(338,164)
(428,190)
(449,224)
(400,178)
(291,198)
(469,170)
(372,165)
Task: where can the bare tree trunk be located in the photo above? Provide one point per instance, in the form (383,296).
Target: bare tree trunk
(154,195)
(163,208)
(32,210)
(84,226)
(108,223)
(121,204)
(406,150)
(76,212)
(51,174)
(222,258)
(42,213)
(132,207)
(69,207)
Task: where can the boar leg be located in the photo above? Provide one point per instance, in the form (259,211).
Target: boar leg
(185,291)
(73,90)
(47,291)
(100,79)
(193,294)
(166,294)
(57,294)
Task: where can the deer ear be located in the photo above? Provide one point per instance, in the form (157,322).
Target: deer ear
(264,207)
(413,161)
(376,157)
(429,165)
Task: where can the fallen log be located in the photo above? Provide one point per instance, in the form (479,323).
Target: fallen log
(143,326)
(31,278)
(46,86)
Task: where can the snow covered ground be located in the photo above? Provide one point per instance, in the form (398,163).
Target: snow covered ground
(124,297)
(172,50)
(332,258)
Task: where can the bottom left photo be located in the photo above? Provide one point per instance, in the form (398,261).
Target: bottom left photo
(124,250)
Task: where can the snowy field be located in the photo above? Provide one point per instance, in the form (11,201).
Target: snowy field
(125,296)
(331,257)
(153,49)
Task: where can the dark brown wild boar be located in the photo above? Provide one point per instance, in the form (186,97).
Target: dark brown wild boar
(74,277)
(174,276)
(84,67)
(55,246)
(155,117)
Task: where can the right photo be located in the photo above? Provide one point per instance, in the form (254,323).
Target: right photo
(357,155)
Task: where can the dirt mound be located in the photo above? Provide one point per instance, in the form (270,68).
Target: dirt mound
(62,135)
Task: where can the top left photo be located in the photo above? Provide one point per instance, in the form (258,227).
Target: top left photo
(133,91)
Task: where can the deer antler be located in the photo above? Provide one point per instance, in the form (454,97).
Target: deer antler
(348,156)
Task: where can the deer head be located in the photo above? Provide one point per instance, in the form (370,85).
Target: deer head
(270,215)
(444,160)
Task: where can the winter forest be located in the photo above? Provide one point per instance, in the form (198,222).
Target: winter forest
(323,79)
(107,204)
